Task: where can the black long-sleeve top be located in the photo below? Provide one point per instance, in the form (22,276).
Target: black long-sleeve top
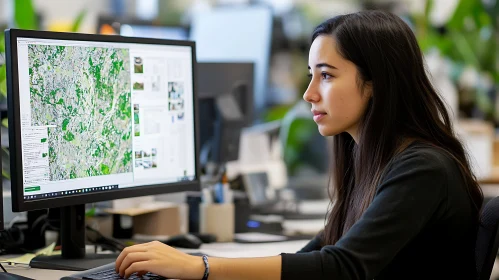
(420,225)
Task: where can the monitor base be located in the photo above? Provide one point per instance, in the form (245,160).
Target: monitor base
(58,263)
(10,276)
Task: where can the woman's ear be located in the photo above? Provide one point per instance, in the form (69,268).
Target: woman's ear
(367,89)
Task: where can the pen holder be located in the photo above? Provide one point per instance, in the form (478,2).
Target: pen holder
(218,219)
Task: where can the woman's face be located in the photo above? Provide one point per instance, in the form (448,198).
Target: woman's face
(337,102)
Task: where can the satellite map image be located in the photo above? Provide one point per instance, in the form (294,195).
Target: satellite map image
(84,95)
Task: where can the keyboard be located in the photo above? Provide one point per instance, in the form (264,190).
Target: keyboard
(107,272)
(111,274)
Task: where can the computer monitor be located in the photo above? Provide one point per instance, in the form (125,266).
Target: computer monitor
(237,34)
(95,118)
(141,28)
(225,107)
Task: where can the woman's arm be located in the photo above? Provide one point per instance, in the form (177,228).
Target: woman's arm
(409,197)
(164,260)
(268,268)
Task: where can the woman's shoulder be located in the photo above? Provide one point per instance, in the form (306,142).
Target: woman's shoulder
(424,157)
(419,168)
(426,152)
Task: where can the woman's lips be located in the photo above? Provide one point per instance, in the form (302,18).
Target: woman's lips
(318,115)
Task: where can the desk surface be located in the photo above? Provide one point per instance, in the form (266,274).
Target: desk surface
(35,273)
(225,250)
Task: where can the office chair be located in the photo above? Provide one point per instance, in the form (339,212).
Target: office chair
(487,242)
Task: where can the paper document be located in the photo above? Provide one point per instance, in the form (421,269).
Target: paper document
(26,258)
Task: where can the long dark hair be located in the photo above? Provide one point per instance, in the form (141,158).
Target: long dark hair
(404,107)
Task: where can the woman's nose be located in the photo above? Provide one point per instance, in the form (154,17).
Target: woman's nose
(310,95)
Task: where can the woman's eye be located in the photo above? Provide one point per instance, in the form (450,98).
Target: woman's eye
(326,76)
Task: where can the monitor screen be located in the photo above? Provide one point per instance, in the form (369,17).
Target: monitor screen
(103,116)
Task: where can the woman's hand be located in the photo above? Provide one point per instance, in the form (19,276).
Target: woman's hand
(159,259)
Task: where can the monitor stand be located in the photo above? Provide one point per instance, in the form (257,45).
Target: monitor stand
(73,255)
(10,276)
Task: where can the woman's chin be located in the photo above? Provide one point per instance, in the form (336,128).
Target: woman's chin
(327,131)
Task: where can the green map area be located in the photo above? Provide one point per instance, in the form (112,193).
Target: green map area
(84,93)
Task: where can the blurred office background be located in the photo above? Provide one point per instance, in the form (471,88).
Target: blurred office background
(459,38)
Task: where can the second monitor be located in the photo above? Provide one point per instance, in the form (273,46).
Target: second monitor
(226,95)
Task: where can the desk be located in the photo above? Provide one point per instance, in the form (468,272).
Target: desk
(224,250)
(35,273)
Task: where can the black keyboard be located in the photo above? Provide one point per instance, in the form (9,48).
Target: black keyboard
(107,272)
(111,274)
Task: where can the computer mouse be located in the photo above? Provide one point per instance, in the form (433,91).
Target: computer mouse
(206,237)
(187,241)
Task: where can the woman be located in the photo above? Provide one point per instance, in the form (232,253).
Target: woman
(406,204)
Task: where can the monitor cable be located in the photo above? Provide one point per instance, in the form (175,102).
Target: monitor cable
(109,243)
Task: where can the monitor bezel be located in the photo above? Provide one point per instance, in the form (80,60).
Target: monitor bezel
(19,204)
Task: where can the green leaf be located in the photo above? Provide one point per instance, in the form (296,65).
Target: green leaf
(483,18)
(91,212)
(462,12)
(493,10)
(277,113)
(24,15)
(3,81)
(5,174)
(3,88)
(78,21)
(463,47)
(469,12)
(4,152)
(5,122)
(427,10)
(2,42)
(3,72)
(300,131)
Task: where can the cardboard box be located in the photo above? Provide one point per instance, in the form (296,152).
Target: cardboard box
(155,219)
(104,224)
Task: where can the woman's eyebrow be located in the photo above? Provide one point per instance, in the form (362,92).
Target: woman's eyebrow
(320,65)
